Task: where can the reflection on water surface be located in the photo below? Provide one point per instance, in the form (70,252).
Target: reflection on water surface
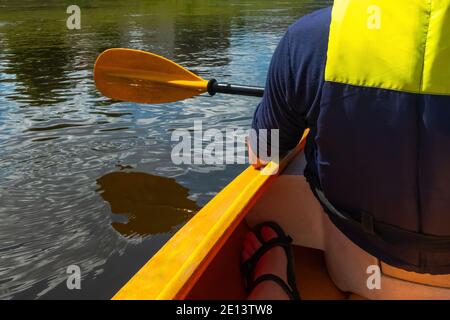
(147,204)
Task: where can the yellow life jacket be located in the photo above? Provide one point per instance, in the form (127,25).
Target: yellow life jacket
(382,135)
(400,45)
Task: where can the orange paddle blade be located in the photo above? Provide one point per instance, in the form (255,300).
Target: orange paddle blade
(143,77)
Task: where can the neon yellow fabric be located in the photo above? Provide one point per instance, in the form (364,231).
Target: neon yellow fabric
(401,45)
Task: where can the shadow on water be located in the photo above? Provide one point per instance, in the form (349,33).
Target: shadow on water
(149,204)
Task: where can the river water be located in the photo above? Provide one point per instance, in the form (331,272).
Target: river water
(89,182)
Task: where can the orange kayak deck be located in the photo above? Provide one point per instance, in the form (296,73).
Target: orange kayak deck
(223,280)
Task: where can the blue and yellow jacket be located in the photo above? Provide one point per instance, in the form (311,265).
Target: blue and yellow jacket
(371,79)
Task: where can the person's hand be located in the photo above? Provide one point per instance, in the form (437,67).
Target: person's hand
(253,157)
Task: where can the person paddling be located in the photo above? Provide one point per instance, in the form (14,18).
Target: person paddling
(372,83)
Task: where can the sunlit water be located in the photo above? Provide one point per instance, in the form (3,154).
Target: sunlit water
(89,182)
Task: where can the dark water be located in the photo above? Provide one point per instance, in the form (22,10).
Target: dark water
(89,182)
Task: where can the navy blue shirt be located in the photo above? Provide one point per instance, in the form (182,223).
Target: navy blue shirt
(296,75)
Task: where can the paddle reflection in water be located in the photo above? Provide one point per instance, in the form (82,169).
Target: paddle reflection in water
(149,204)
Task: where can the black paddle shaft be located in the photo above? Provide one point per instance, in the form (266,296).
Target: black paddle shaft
(216,87)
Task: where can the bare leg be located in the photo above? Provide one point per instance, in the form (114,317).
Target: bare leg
(273,262)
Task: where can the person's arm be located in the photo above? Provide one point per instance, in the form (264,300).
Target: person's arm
(279,108)
(293,89)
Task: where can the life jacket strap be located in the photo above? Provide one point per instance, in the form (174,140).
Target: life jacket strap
(388,233)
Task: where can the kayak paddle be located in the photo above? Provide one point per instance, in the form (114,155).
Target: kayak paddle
(143,77)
